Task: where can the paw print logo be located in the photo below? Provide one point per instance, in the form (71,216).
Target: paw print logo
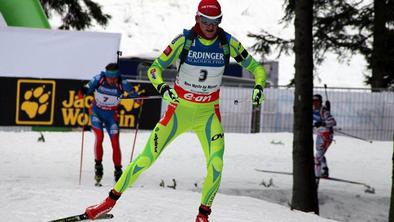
(35,102)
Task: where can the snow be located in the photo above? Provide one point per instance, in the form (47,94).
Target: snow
(147,27)
(40,180)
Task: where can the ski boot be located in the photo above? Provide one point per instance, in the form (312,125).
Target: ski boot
(118,172)
(324,172)
(203,213)
(98,171)
(97,210)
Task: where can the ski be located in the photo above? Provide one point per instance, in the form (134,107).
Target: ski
(369,189)
(276,172)
(339,130)
(81,217)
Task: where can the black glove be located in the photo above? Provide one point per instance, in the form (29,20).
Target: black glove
(319,124)
(328,105)
(257,95)
(168,93)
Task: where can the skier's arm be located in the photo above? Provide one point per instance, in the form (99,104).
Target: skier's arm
(167,57)
(128,89)
(92,84)
(243,58)
(328,119)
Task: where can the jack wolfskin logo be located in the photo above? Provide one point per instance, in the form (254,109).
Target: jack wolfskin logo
(127,106)
(130,104)
(35,102)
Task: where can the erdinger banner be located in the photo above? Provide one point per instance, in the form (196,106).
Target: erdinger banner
(55,102)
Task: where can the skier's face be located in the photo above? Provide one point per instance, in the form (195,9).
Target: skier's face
(208,27)
(111,80)
(316,104)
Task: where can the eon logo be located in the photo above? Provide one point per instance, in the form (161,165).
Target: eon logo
(197,98)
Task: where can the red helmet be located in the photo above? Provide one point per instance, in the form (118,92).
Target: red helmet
(210,9)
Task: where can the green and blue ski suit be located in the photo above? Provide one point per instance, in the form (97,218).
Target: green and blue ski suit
(197,85)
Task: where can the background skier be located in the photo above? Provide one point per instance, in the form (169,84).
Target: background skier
(107,87)
(324,123)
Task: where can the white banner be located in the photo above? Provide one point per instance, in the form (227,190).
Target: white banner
(45,53)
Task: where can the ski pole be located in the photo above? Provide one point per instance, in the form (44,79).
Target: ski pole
(325,90)
(118,55)
(141,97)
(82,142)
(352,136)
(328,104)
(238,101)
(136,129)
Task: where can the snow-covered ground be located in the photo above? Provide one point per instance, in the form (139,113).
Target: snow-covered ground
(147,27)
(39,181)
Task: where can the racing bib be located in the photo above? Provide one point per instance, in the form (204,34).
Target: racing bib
(105,100)
(199,79)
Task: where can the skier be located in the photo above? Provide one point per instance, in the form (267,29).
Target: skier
(107,87)
(324,123)
(202,54)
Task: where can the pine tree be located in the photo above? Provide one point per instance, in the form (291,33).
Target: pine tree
(76,14)
(304,186)
(345,28)
(382,59)
(391,211)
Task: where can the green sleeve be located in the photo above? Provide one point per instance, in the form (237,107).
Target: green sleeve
(248,62)
(167,57)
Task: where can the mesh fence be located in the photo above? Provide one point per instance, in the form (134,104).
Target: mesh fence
(358,112)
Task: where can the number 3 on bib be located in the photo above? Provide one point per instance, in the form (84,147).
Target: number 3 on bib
(203,75)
